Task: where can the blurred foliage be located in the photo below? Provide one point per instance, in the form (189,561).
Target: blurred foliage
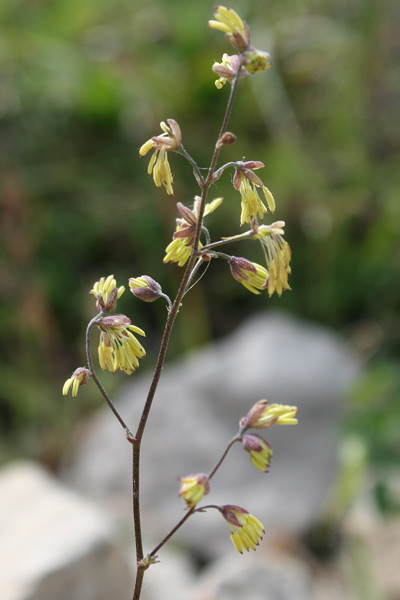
(83,84)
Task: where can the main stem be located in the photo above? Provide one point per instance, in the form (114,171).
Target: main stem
(205,185)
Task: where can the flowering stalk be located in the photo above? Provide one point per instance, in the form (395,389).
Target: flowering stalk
(191,246)
(165,340)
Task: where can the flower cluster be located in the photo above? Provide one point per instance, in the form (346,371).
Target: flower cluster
(119,348)
(169,140)
(246,182)
(238,35)
(277,256)
(180,249)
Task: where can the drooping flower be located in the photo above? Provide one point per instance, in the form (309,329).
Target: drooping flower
(246,530)
(180,249)
(193,488)
(79,377)
(277,256)
(119,348)
(235,29)
(263,415)
(169,140)
(145,288)
(259,449)
(253,276)
(246,182)
(106,293)
(227,69)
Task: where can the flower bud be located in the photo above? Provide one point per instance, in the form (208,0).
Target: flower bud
(227,139)
(145,288)
(111,302)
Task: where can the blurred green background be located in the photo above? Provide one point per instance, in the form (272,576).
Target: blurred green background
(84,84)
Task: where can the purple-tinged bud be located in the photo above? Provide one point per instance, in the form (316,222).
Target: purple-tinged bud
(100,302)
(231,512)
(253,415)
(115,321)
(111,302)
(226,139)
(241,268)
(145,288)
(237,178)
(252,164)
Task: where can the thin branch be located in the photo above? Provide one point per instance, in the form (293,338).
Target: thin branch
(199,177)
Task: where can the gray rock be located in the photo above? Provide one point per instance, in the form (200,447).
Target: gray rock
(195,413)
(261,577)
(53,544)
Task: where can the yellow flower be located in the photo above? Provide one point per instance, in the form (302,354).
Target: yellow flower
(193,488)
(260,451)
(180,249)
(246,530)
(227,69)
(169,140)
(235,29)
(79,377)
(119,348)
(253,276)
(106,292)
(252,205)
(277,256)
(263,415)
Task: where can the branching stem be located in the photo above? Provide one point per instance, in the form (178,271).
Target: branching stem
(205,185)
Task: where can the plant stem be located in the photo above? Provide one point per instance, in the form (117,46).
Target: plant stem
(219,463)
(174,530)
(205,185)
(228,240)
(199,177)
(97,380)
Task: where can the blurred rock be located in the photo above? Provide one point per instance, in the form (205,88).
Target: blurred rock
(54,545)
(195,413)
(255,577)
